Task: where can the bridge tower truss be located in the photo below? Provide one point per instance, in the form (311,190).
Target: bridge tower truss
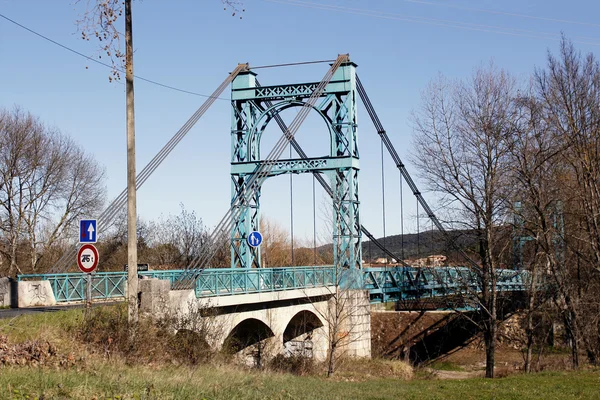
(253,107)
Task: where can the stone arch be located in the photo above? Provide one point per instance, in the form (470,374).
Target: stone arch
(299,334)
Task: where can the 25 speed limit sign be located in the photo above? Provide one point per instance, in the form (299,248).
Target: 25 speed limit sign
(87,258)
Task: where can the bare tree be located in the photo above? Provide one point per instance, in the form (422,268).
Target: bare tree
(181,235)
(569,90)
(463,138)
(47,183)
(537,171)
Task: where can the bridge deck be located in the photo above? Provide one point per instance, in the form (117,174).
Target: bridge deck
(384,284)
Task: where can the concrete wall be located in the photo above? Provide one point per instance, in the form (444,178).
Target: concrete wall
(5,292)
(356,322)
(35,293)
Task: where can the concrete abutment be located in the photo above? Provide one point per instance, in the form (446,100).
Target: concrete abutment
(262,325)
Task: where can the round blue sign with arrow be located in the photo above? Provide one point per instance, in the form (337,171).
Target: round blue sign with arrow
(255,239)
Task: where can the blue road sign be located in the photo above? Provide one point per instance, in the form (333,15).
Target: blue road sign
(87,231)
(255,239)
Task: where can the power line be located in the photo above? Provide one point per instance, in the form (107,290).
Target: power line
(102,63)
(437,22)
(511,14)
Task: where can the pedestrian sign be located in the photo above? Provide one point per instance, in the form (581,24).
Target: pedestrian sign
(255,239)
(88,232)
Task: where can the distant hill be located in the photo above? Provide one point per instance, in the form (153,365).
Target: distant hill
(417,246)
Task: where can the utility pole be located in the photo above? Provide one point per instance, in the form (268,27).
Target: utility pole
(132,276)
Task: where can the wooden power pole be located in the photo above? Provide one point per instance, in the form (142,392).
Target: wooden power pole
(132,276)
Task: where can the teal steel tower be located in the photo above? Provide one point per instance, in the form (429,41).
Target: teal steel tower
(254,106)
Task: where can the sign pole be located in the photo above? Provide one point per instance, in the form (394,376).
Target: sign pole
(88,292)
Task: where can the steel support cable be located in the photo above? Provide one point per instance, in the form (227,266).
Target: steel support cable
(401,217)
(121,200)
(292,208)
(326,186)
(251,187)
(400,165)
(383,198)
(117,204)
(314,201)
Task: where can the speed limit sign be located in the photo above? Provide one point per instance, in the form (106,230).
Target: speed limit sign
(87,258)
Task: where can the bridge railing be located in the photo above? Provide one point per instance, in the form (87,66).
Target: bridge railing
(71,287)
(230,281)
(384,284)
(406,283)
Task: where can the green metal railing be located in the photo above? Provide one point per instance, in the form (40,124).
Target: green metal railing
(71,287)
(230,281)
(384,284)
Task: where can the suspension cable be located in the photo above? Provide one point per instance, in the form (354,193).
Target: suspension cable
(400,165)
(314,199)
(326,186)
(293,64)
(383,199)
(113,209)
(250,188)
(292,208)
(418,233)
(401,218)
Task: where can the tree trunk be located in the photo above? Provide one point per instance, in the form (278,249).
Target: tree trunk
(529,328)
(331,360)
(14,267)
(572,334)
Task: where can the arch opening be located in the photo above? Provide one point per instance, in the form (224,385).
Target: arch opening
(248,340)
(298,337)
(314,135)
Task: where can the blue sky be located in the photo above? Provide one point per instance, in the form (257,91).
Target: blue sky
(399,46)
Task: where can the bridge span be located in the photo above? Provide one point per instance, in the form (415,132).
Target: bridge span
(266,311)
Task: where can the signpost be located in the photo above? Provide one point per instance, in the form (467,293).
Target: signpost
(255,239)
(87,256)
(87,261)
(87,231)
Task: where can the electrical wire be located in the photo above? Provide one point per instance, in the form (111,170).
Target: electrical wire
(497,12)
(438,22)
(113,67)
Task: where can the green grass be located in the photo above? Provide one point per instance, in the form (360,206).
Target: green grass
(53,326)
(113,381)
(446,366)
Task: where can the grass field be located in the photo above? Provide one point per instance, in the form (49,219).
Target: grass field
(110,381)
(92,376)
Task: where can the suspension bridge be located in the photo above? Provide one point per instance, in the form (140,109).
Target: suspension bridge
(247,282)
